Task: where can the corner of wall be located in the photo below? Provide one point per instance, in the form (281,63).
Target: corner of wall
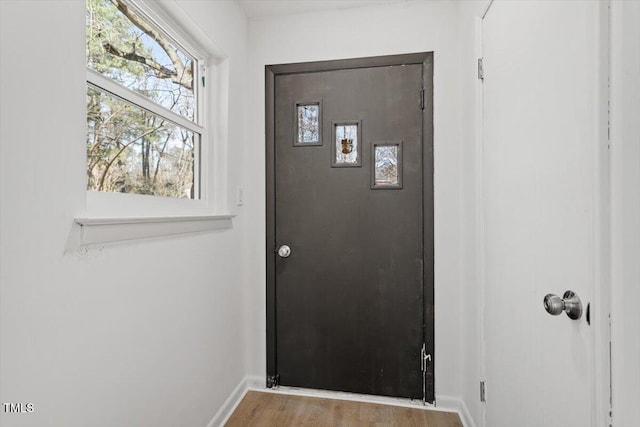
(234,399)
(458,405)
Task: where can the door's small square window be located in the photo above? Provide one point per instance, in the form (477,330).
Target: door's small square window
(308,121)
(346,144)
(386,170)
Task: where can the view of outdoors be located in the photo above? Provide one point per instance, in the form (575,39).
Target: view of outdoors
(386,165)
(129,149)
(308,123)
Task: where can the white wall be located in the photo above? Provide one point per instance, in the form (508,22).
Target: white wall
(625,212)
(379,30)
(146,333)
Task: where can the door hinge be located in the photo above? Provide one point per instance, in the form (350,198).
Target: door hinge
(425,359)
(480,69)
(422,99)
(273,380)
(483,396)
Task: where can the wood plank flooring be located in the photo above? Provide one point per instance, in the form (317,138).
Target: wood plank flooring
(272,409)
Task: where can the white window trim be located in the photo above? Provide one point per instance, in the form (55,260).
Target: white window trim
(105,84)
(112,217)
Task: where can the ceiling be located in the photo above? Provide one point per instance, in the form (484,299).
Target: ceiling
(263,8)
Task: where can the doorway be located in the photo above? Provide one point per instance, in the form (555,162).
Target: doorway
(349,243)
(542,236)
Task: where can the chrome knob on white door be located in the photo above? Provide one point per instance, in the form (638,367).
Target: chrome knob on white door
(569,303)
(284,251)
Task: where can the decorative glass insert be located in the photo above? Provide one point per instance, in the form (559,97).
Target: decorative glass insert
(307,124)
(346,144)
(387,165)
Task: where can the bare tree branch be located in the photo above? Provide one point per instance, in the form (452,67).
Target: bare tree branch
(161,71)
(160,156)
(182,75)
(124,146)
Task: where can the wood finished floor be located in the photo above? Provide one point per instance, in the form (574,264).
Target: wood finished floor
(272,409)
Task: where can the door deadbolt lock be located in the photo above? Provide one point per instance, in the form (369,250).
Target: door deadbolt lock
(284,251)
(569,303)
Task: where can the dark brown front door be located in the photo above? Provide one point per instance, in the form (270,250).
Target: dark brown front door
(351,281)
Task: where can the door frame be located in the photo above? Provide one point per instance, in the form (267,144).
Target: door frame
(601,293)
(271,72)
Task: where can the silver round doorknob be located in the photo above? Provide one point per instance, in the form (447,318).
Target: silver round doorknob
(553,304)
(569,303)
(284,251)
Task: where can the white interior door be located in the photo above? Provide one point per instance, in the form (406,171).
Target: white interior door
(540,137)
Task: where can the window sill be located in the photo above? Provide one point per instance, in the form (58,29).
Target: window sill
(95,231)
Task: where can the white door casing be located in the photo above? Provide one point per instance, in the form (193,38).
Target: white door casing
(540,215)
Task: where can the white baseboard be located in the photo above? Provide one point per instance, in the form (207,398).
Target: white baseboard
(455,404)
(354,397)
(443,403)
(232,402)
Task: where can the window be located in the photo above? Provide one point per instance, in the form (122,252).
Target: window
(145,119)
(387,165)
(308,127)
(346,144)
